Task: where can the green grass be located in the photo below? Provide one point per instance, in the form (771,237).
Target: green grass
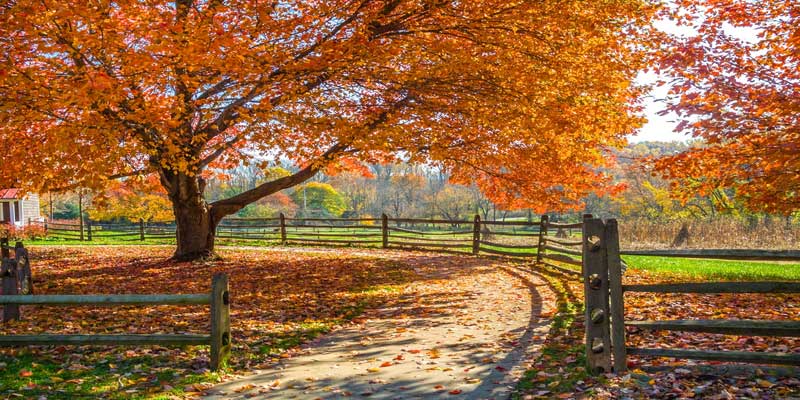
(93,375)
(695,268)
(561,365)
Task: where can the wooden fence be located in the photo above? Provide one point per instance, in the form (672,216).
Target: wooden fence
(606,350)
(219,338)
(541,240)
(15,274)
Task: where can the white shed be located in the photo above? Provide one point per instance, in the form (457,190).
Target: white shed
(18,209)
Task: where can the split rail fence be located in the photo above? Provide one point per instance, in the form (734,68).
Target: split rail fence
(219,337)
(545,241)
(589,249)
(606,349)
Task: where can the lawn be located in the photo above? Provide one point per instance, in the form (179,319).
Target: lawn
(715,270)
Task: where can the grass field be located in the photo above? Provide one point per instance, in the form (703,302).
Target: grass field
(713,269)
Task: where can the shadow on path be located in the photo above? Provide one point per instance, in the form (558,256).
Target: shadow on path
(463,333)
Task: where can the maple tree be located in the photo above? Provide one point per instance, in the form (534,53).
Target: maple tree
(518,96)
(735,84)
(132,200)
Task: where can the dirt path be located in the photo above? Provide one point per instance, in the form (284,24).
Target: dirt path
(467,331)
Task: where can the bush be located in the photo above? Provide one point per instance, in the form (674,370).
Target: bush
(28,232)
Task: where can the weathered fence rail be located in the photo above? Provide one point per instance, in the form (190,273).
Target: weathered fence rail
(219,337)
(517,239)
(606,349)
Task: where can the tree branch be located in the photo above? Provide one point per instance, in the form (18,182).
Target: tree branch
(230,205)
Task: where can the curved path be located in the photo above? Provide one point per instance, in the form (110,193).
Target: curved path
(466,330)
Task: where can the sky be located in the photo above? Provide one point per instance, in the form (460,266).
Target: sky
(662,128)
(658,128)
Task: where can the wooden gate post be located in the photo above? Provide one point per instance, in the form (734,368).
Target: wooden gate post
(617,300)
(282,219)
(476,234)
(596,301)
(8,271)
(24,274)
(385,230)
(544,221)
(220,320)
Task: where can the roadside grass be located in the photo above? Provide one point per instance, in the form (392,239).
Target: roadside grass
(561,366)
(713,269)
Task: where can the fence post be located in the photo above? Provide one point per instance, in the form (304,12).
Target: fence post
(220,320)
(88,229)
(80,225)
(544,222)
(8,271)
(476,234)
(141,229)
(24,275)
(385,230)
(614,261)
(283,228)
(596,302)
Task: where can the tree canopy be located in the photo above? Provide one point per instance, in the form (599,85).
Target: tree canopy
(521,96)
(736,84)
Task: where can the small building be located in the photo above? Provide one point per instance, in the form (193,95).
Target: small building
(18,209)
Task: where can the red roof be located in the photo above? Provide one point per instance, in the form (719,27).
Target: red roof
(8,194)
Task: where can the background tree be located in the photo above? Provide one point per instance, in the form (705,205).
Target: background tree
(736,84)
(478,88)
(316,197)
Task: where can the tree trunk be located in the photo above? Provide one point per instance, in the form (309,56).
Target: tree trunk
(195,231)
(195,225)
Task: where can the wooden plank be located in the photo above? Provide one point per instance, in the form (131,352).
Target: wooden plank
(104,340)
(563,258)
(727,327)
(730,356)
(428,221)
(221,338)
(596,299)
(564,242)
(102,299)
(8,270)
(239,226)
(505,233)
(465,241)
(333,226)
(563,250)
(282,221)
(510,223)
(476,234)
(431,232)
(442,245)
(344,241)
(560,225)
(734,254)
(540,250)
(507,253)
(335,219)
(343,235)
(384,231)
(616,299)
(717,287)
(509,246)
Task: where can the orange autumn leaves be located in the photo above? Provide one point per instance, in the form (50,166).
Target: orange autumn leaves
(521,97)
(735,85)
